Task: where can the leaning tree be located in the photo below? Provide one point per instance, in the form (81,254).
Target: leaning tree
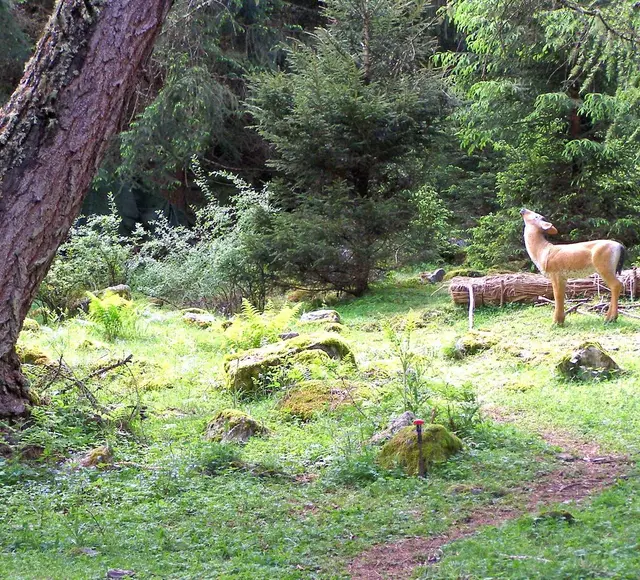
(53,134)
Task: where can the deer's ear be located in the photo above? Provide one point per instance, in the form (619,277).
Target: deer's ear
(547,227)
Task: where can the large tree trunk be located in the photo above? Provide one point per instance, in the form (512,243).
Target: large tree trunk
(53,134)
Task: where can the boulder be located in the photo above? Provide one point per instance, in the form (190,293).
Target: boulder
(121,290)
(320,316)
(202,320)
(233,426)
(288,335)
(311,397)
(589,361)
(32,356)
(402,449)
(333,327)
(405,420)
(432,277)
(245,370)
(469,344)
(99,456)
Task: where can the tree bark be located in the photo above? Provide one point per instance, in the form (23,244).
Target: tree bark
(53,135)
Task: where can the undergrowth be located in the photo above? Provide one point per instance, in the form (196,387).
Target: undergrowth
(302,501)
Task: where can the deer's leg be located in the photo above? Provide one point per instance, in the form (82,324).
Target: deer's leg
(616,288)
(559,285)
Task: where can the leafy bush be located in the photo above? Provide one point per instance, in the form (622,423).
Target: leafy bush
(219,262)
(94,257)
(216,458)
(354,470)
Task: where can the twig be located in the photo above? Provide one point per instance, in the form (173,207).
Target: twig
(471,304)
(110,367)
(574,308)
(624,313)
(586,312)
(518,557)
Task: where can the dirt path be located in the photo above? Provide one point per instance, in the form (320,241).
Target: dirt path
(583,470)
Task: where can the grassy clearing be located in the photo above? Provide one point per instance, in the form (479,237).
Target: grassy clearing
(303,501)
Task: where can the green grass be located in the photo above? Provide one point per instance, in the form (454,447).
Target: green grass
(603,541)
(310,496)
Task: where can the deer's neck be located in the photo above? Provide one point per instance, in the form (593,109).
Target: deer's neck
(537,246)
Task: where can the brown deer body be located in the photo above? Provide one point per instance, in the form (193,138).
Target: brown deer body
(561,262)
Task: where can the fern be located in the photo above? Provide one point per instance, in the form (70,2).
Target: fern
(114,316)
(252,329)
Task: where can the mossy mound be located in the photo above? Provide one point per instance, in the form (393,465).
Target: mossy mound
(438,444)
(99,456)
(30,325)
(30,355)
(311,397)
(468,345)
(464,272)
(334,327)
(231,425)
(245,370)
(311,357)
(589,361)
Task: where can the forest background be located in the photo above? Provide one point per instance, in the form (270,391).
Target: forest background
(318,145)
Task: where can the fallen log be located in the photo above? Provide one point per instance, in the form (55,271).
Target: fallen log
(528,288)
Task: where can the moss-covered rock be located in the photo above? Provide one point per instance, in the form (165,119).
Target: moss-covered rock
(245,370)
(311,357)
(201,320)
(31,355)
(468,345)
(99,456)
(464,272)
(334,327)
(30,325)
(311,397)
(589,361)
(402,450)
(233,426)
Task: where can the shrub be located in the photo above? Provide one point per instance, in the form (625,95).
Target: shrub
(219,262)
(94,256)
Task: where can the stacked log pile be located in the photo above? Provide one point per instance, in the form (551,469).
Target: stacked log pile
(528,288)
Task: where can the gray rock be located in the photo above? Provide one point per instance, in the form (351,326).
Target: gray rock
(232,426)
(437,276)
(201,320)
(121,290)
(590,361)
(432,277)
(320,316)
(288,335)
(406,419)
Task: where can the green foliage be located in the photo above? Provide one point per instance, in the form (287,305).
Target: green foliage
(252,328)
(346,121)
(217,263)
(96,255)
(192,104)
(556,112)
(216,458)
(415,370)
(114,316)
(354,470)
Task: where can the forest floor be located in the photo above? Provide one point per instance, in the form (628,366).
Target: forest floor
(546,487)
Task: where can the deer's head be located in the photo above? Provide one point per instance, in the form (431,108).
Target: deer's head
(536,221)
